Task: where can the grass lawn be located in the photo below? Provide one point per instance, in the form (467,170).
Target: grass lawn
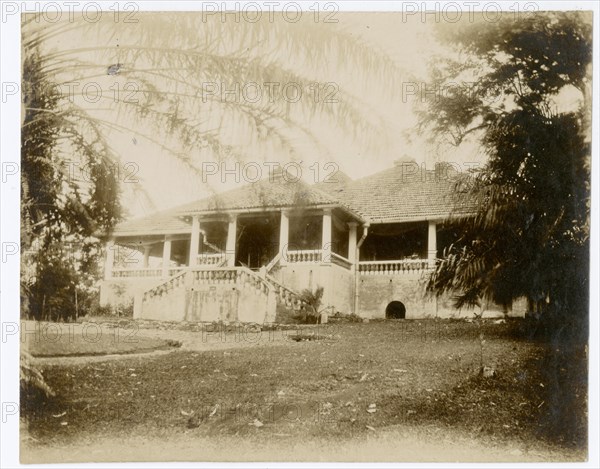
(72,340)
(359,379)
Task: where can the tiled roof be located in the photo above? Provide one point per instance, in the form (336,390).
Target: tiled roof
(274,192)
(400,194)
(157,223)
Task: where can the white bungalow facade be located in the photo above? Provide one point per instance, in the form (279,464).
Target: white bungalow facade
(244,255)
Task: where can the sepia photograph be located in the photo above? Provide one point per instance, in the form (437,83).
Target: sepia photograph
(299,232)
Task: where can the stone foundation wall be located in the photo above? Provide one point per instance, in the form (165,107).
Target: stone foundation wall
(167,307)
(337,282)
(231,302)
(228,303)
(115,292)
(211,296)
(377,291)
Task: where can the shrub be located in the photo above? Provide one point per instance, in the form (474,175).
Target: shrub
(312,303)
(346,317)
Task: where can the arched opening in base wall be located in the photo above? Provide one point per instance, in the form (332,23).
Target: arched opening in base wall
(395,310)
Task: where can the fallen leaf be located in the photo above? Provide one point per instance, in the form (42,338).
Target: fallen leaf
(257,423)
(214,411)
(371,428)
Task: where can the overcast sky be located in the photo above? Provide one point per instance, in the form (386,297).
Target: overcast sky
(408,41)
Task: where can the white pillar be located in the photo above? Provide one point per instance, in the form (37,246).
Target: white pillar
(352,241)
(110,258)
(231,240)
(194,241)
(326,240)
(432,244)
(147,249)
(166,262)
(284,236)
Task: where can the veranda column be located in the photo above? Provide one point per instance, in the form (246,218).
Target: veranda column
(147,249)
(284,236)
(231,240)
(166,262)
(352,242)
(432,244)
(110,258)
(326,240)
(194,241)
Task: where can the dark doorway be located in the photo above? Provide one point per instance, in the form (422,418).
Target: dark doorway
(258,240)
(395,310)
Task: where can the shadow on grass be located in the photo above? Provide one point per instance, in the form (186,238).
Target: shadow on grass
(544,397)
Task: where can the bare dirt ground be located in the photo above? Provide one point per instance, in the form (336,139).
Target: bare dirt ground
(397,444)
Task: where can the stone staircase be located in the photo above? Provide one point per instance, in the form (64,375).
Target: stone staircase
(228,294)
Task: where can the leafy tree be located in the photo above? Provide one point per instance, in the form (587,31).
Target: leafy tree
(527,234)
(155,78)
(62,219)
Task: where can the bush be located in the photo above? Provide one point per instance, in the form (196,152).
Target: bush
(102,311)
(312,303)
(345,317)
(125,310)
(51,295)
(121,310)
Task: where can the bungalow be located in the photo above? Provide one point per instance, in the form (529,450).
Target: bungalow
(246,254)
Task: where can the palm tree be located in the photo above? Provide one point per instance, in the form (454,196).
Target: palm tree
(527,235)
(160,79)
